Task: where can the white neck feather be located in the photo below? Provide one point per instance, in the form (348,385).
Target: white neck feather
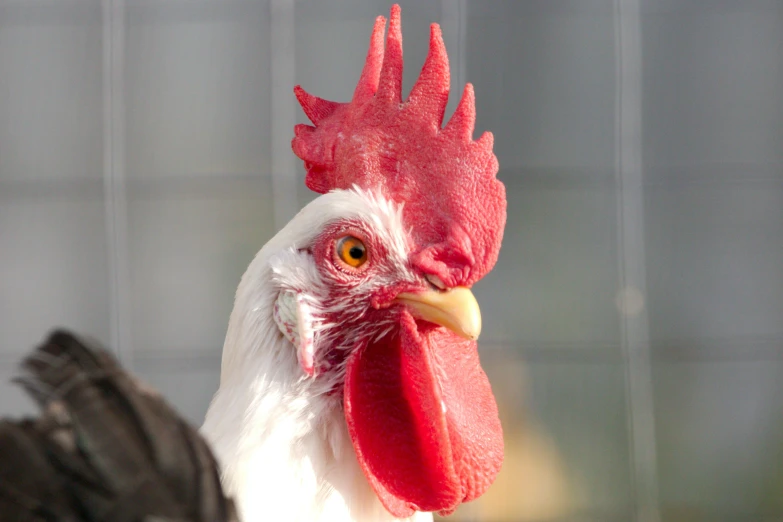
(281,440)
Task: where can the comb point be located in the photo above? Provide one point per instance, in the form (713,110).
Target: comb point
(368,81)
(463,121)
(486,141)
(314,107)
(390,82)
(430,93)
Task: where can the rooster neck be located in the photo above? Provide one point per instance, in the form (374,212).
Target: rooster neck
(281,438)
(284,447)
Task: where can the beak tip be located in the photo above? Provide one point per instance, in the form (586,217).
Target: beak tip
(473,331)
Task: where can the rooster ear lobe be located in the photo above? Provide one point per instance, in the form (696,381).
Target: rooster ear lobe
(294,318)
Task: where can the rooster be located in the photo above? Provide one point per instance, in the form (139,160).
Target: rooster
(351,387)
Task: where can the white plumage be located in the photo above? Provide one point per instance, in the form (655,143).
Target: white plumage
(279,435)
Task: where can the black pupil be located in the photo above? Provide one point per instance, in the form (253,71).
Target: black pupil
(356,252)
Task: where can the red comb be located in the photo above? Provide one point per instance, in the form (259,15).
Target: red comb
(454,205)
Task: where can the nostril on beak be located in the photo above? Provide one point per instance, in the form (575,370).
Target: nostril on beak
(435,281)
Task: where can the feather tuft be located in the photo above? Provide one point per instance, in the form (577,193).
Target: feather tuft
(105,447)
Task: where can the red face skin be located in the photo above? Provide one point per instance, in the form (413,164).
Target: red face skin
(358,299)
(415,455)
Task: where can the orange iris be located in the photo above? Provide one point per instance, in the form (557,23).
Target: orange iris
(352,251)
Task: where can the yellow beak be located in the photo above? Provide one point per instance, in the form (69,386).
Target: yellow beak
(456,309)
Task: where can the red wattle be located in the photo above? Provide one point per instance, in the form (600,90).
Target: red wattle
(416,456)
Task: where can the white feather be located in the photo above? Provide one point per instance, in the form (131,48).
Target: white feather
(281,440)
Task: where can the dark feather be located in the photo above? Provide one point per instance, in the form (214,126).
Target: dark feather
(104,449)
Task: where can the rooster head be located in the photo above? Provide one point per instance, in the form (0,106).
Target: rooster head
(412,215)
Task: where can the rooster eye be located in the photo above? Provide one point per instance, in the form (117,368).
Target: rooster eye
(351,251)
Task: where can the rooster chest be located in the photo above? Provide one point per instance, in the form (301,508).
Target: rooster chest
(303,470)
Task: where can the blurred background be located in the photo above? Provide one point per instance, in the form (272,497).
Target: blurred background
(633,327)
